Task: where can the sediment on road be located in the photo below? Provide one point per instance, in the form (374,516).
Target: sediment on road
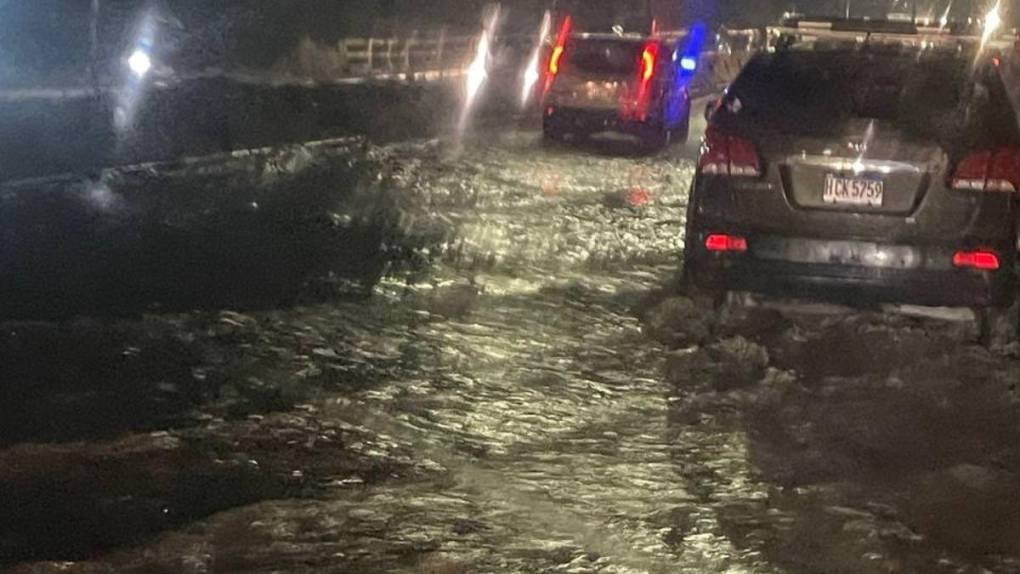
(881,435)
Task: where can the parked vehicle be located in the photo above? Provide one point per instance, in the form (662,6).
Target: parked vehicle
(614,82)
(863,159)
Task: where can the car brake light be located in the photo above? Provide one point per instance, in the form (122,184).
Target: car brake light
(560,47)
(648,58)
(638,105)
(554,61)
(982,260)
(723,154)
(997,170)
(721,243)
(556,57)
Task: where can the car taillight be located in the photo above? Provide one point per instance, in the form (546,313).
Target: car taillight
(554,60)
(638,105)
(648,59)
(997,170)
(983,260)
(556,56)
(723,154)
(721,243)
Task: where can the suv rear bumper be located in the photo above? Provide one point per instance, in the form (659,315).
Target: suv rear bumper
(926,277)
(582,120)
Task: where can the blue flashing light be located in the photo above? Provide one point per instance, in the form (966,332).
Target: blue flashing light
(690,52)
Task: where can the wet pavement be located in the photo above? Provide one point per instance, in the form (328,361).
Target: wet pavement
(526,391)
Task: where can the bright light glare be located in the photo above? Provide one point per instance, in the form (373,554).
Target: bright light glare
(944,20)
(477,72)
(531,76)
(993,20)
(532,73)
(688,64)
(140,63)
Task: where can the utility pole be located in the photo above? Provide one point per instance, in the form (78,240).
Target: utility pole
(848,2)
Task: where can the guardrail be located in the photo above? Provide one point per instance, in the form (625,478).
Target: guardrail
(359,86)
(433,56)
(719,69)
(377,57)
(437,56)
(366,55)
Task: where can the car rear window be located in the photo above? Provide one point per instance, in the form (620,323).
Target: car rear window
(816,92)
(605,56)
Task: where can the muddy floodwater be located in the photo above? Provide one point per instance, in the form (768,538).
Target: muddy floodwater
(526,389)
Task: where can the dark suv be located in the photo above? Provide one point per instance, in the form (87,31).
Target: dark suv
(875,166)
(626,83)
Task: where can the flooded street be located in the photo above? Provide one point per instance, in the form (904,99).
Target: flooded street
(527,391)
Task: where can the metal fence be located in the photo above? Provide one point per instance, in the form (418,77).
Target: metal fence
(424,56)
(436,55)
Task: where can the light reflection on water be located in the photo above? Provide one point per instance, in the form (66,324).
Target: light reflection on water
(531,383)
(510,371)
(505,381)
(548,414)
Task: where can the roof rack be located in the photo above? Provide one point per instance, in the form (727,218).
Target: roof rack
(895,26)
(610,36)
(952,34)
(663,35)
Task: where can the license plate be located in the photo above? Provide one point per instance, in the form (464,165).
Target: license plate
(853,191)
(602,94)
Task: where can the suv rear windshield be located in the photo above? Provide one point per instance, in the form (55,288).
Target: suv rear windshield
(605,56)
(816,92)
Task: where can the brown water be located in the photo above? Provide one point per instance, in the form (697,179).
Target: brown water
(501,406)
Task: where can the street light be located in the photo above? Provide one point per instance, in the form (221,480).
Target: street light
(138,65)
(140,62)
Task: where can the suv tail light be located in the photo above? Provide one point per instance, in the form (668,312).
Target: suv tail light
(649,57)
(723,154)
(637,106)
(997,170)
(721,243)
(556,56)
(983,260)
